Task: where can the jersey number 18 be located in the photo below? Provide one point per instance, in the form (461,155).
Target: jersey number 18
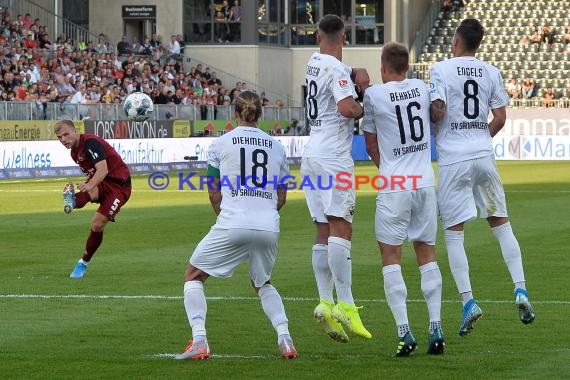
(258,179)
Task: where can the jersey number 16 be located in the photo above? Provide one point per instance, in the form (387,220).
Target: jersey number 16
(415,123)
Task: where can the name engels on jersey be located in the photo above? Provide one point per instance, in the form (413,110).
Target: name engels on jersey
(470,71)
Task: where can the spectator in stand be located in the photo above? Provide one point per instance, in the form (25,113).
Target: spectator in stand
(235,17)
(27,21)
(146,47)
(102,44)
(513,89)
(173,47)
(79,96)
(548,99)
(181,43)
(536,37)
(45,43)
(124,46)
(136,45)
(527,88)
(30,42)
(81,45)
(547,35)
(567,35)
(155,41)
(226,12)
(221,28)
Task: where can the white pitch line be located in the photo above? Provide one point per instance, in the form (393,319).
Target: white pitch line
(365,355)
(237,298)
(166,355)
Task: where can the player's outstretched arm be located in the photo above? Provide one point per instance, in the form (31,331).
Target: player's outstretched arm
(215,195)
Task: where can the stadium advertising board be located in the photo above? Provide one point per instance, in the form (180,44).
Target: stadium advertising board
(215,126)
(537,121)
(27,130)
(532,147)
(51,154)
(126,129)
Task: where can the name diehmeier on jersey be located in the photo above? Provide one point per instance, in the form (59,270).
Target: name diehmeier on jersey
(241,140)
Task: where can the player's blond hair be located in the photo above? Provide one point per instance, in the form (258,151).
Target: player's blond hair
(396,57)
(248,106)
(61,123)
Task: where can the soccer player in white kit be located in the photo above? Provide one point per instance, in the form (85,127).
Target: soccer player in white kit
(396,129)
(331,110)
(463,90)
(247,167)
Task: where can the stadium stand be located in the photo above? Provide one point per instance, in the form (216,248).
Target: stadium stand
(41,79)
(524,39)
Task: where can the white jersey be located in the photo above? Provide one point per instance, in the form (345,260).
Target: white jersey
(328,82)
(398,113)
(470,88)
(251,165)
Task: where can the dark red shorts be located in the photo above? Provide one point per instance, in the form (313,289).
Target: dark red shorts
(112,196)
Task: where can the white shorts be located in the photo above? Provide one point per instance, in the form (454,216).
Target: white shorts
(467,186)
(222,250)
(324,198)
(407,214)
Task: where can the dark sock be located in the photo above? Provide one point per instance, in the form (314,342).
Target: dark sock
(81,199)
(93,242)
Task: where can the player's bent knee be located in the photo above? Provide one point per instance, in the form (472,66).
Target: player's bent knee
(194,274)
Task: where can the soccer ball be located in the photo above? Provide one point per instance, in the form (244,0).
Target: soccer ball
(138,106)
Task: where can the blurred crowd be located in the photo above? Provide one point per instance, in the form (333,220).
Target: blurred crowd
(35,69)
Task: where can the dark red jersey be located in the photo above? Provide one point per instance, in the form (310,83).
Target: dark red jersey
(91,150)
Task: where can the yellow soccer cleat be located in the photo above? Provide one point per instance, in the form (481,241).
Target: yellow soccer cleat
(348,315)
(334,329)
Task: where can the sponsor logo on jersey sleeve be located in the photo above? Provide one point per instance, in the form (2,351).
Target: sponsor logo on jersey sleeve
(432,88)
(343,83)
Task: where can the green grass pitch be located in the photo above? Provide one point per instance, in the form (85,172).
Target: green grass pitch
(126,318)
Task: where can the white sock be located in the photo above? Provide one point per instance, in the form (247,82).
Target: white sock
(341,268)
(196,308)
(431,288)
(511,251)
(466,297)
(322,271)
(458,260)
(83,262)
(396,294)
(274,309)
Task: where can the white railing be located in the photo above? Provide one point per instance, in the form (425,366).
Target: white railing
(56,111)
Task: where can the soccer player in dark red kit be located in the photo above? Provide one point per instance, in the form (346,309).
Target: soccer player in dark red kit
(108,183)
